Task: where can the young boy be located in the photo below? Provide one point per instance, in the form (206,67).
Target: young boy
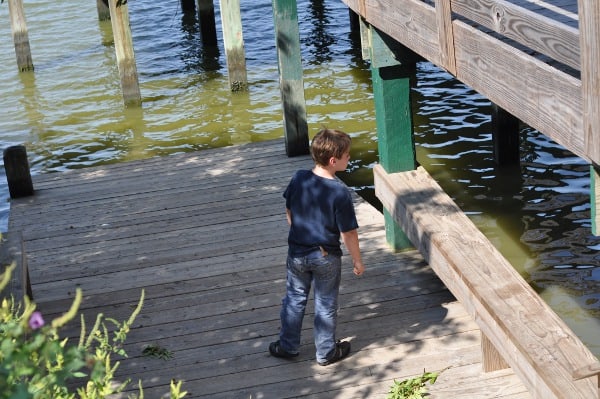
(319,209)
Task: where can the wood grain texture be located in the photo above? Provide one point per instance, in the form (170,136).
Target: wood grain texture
(119,18)
(20,35)
(531,338)
(204,234)
(521,55)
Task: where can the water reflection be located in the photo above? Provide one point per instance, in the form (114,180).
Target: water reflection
(320,39)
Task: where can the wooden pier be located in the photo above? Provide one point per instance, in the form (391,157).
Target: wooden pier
(204,234)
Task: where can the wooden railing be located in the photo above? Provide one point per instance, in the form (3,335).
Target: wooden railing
(542,70)
(529,65)
(544,97)
(518,328)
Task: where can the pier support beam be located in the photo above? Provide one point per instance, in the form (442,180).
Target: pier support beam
(291,83)
(188,5)
(589,32)
(20,35)
(119,17)
(206,16)
(505,137)
(595,199)
(233,40)
(393,67)
(103,10)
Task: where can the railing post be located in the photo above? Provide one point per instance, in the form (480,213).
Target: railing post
(491,359)
(291,84)
(443,13)
(392,70)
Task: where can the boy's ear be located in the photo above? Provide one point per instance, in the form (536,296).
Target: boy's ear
(332,161)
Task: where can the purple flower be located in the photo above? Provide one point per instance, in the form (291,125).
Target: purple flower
(36,321)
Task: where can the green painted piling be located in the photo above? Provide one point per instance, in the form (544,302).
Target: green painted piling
(392,70)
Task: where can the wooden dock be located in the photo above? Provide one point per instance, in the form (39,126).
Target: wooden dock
(204,234)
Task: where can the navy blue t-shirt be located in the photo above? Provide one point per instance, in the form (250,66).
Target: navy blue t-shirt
(321,208)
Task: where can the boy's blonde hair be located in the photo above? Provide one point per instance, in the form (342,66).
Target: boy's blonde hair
(329,143)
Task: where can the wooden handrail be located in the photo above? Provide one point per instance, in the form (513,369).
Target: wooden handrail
(542,34)
(587,371)
(526,333)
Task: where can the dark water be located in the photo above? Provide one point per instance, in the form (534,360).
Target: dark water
(69,114)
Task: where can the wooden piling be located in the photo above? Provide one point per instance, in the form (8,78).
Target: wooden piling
(119,17)
(291,83)
(233,40)
(188,5)
(354,20)
(595,199)
(589,32)
(505,137)
(20,36)
(103,10)
(206,16)
(392,69)
(17,171)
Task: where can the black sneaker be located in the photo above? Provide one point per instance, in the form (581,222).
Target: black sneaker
(276,350)
(342,349)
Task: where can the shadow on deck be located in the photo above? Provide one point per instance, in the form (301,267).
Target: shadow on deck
(204,234)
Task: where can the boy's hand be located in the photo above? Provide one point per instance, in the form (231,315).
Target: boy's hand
(359,268)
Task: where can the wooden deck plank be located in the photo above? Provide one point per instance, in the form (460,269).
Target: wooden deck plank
(204,234)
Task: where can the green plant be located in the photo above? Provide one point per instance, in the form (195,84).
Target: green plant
(35,363)
(412,388)
(155,350)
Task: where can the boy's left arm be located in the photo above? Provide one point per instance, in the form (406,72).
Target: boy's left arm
(350,239)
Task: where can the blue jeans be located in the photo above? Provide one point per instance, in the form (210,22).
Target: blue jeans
(324,272)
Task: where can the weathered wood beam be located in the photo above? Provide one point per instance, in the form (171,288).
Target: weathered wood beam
(291,83)
(233,39)
(119,17)
(520,84)
(540,348)
(445,34)
(589,29)
(364,39)
(20,36)
(535,31)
